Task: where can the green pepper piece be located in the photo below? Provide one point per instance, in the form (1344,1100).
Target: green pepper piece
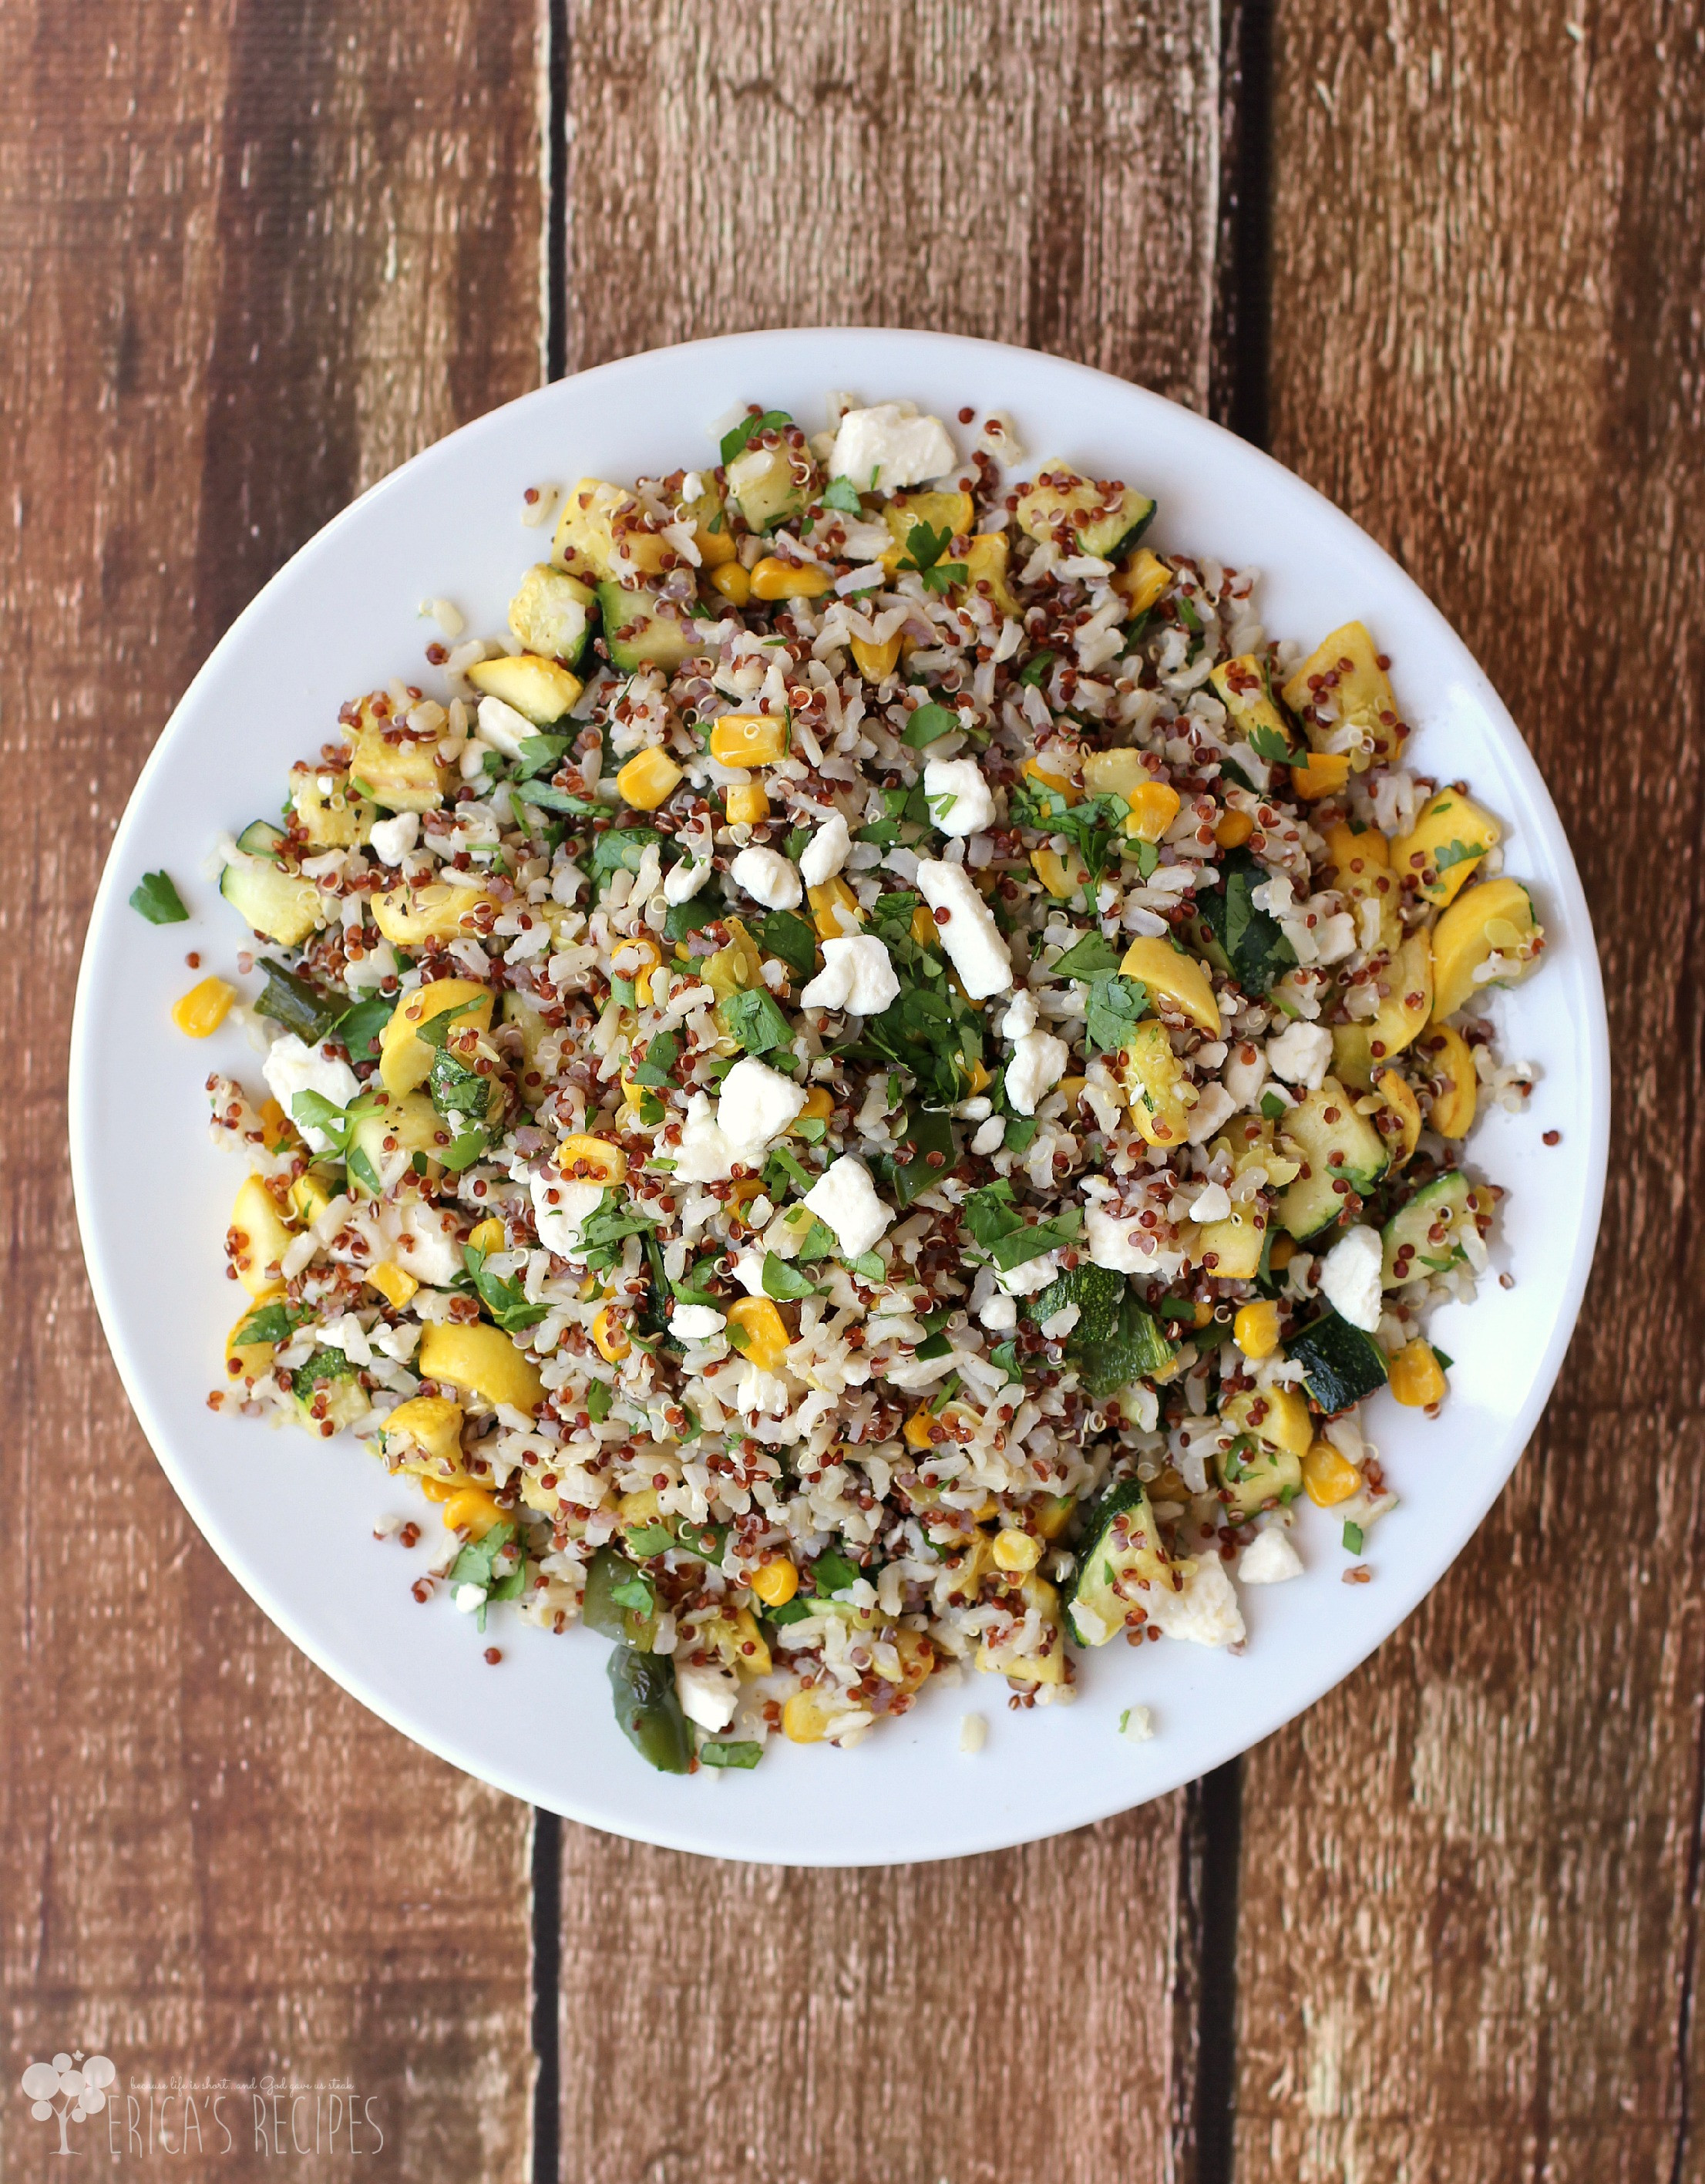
(649,1710)
(600,1610)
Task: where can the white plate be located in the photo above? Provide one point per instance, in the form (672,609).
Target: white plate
(292,1518)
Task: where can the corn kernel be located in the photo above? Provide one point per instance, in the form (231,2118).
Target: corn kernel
(764,1329)
(309,1196)
(609,1333)
(1016,1551)
(981,1078)
(585,1159)
(916,1430)
(1417,1378)
(732,581)
(472,1510)
(202,1008)
(748,739)
(490,1235)
(1327,1476)
(875,662)
(775,579)
(776,1583)
(1034,769)
(748,805)
(1234,829)
(820,1104)
(277,1130)
(835,909)
(1056,1514)
(1256,1330)
(1154,807)
(393,1283)
(441,1490)
(647,779)
(1324,774)
(716,548)
(1059,876)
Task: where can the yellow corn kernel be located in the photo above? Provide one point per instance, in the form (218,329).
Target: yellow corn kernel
(775,579)
(732,581)
(924,929)
(647,779)
(1154,807)
(1016,1552)
(490,1235)
(472,1510)
(432,1423)
(806,1717)
(1347,847)
(585,1159)
(835,909)
(439,1489)
(609,1333)
(748,805)
(981,1078)
(766,1332)
(1256,1330)
(1324,774)
(1034,769)
(716,548)
(820,1104)
(876,661)
(276,1128)
(916,1430)
(1327,1476)
(1234,829)
(748,739)
(393,1283)
(1417,1378)
(1142,579)
(776,1583)
(202,1008)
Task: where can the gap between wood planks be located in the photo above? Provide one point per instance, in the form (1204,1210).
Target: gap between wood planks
(1238,397)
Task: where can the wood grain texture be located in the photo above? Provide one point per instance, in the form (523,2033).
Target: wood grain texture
(1046,176)
(1043,174)
(254,254)
(1470,1923)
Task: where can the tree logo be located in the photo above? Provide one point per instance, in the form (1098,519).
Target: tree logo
(78,2083)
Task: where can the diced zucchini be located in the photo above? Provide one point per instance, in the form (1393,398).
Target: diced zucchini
(412,1121)
(337,819)
(551,614)
(1359,1049)
(1361,697)
(1253,1475)
(277,903)
(1424,1238)
(1496,918)
(593,517)
(954,513)
(641,630)
(1234,1245)
(1341,1365)
(1122,1554)
(538,689)
(762,481)
(522,1010)
(1044,511)
(1245,690)
(409,916)
(328,1375)
(260,839)
(404,776)
(1324,1123)
(1152,1079)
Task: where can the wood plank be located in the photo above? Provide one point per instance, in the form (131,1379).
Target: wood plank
(1470,1877)
(836,166)
(254,253)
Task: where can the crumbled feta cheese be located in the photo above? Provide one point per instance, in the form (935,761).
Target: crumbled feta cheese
(1021,1015)
(1334,937)
(757,1103)
(769,878)
(291,1068)
(684,879)
(695,1323)
(1206,1613)
(1302,1054)
(826,851)
(559,1224)
(1001,1314)
(1214,1108)
(970,936)
(1244,1079)
(1030,1275)
(1137,1725)
(392,838)
(503,727)
(857,976)
(429,1245)
(1269,1559)
(1350,1278)
(1213,1204)
(890,445)
(1038,1062)
(960,801)
(845,1198)
(470,1598)
(1108,1239)
(703,1154)
(708,1694)
(988,1138)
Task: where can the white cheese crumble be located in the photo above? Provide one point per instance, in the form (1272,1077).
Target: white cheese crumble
(1350,1278)
(845,1198)
(503,727)
(826,851)
(890,445)
(857,976)
(709,1695)
(559,1225)
(392,838)
(1038,1062)
(1204,1614)
(695,1323)
(1269,1559)
(769,878)
(756,1104)
(291,1068)
(960,801)
(1302,1054)
(970,936)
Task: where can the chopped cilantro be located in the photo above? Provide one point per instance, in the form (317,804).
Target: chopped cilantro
(270,1323)
(842,494)
(1087,958)
(781,1282)
(743,434)
(831,1573)
(754,1020)
(1353,1536)
(927,725)
(1034,672)
(1268,743)
(869,1267)
(505,1300)
(1272,1106)
(1113,1005)
(597,1401)
(717,1752)
(359,1027)
(156,900)
(790,939)
(1452,854)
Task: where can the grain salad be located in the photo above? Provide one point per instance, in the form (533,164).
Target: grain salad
(865,1094)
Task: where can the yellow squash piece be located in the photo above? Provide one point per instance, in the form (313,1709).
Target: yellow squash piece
(1143,579)
(1325,774)
(1396,1100)
(406,775)
(1049,1668)
(1278,1416)
(1117,773)
(1496,918)
(985,563)
(548,615)
(1243,691)
(541,690)
(954,513)
(1170,975)
(249,1361)
(764,1333)
(1451,1064)
(585,539)
(431,1424)
(310,1193)
(1062,877)
(264,1235)
(1452,834)
(405,1060)
(1359,1050)
(1061,501)
(334,817)
(835,909)
(747,804)
(483,1361)
(1152,1079)
(1354,685)
(393,1283)
(409,916)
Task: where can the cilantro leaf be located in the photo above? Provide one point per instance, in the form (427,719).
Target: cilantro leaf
(791,939)
(1268,743)
(540,753)
(316,1112)
(842,494)
(1087,958)
(743,434)
(1250,945)
(609,1223)
(692,916)
(156,900)
(359,1027)
(1034,672)
(753,1019)
(270,1323)
(505,1300)
(927,725)
(1452,854)
(870,1266)
(715,1752)
(996,1224)
(1113,1007)
(781,1282)
(549,798)
(622,848)
(598,1400)
(832,1573)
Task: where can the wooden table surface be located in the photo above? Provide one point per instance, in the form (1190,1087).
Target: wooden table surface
(1445,259)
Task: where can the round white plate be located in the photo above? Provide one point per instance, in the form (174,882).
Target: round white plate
(292,1518)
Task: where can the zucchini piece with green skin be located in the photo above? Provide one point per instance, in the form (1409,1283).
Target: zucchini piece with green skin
(1310,1204)
(762,483)
(639,632)
(1137,1349)
(1042,509)
(1253,1474)
(260,839)
(1340,1364)
(551,615)
(1414,1252)
(278,904)
(1123,1546)
(648,1708)
(412,1120)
